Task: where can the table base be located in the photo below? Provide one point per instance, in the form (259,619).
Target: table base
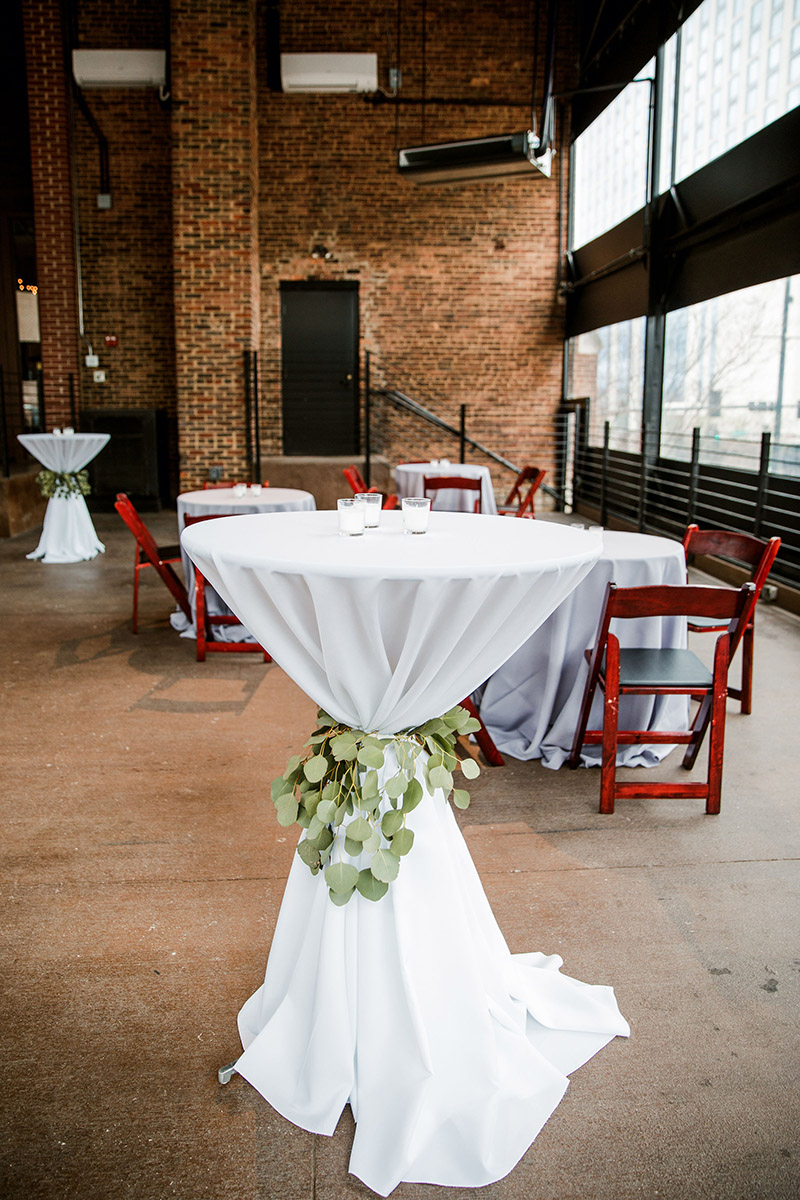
(451,1051)
(68,534)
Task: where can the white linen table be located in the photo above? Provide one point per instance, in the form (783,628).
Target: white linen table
(531,705)
(451,1051)
(409,480)
(225,500)
(68,534)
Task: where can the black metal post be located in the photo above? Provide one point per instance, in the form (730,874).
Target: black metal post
(73,412)
(3,422)
(248,417)
(462,426)
(604,474)
(694,473)
(256,421)
(367,414)
(40,398)
(763,482)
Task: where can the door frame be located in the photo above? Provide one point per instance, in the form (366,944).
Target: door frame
(332,285)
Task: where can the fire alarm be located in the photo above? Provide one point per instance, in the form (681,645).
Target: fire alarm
(111,339)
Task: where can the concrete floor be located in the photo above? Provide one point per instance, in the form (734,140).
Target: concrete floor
(143,870)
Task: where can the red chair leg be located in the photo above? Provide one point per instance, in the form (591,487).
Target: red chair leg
(200,614)
(608,768)
(746,697)
(136,592)
(483,738)
(716,737)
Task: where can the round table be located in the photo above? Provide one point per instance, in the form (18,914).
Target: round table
(68,534)
(225,501)
(531,705)
(409,479)
(451,1051)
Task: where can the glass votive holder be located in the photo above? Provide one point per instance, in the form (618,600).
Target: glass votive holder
(56,431)
(68,431)
(371,502)
(351,518)
(239,489)
(255,489)
(415,514)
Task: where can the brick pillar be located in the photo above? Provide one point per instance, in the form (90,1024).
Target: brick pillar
(215,229)
(53,208)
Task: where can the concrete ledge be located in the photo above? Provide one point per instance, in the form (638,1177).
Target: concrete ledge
(21,503)
(322,476)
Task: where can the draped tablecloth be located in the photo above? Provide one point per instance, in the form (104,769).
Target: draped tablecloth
(409,479)
(68,534)
(225,500)
(451,1051)
(531,705)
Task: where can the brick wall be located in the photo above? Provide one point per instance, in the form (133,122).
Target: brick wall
(53,209)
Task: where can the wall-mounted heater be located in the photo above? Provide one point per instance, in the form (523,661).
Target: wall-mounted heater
(329,72)
(119,68)
(476,158)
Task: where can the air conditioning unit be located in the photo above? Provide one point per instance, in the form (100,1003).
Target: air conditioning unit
(329,72)
(119,68)
(476,158)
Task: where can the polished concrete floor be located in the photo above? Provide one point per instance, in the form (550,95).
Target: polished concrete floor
(142,871)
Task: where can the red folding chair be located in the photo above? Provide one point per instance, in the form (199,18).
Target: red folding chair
(149,554)
(668,671)
(356,481)
(206,621)
(443,483)
(755,553)
(517,504)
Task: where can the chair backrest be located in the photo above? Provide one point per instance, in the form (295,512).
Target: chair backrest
(143,536)
(534,476)
(669,600)
(756,553)
(187,520)
(355,479)
(460,483)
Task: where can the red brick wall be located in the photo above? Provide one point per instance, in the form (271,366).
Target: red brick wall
(214,182)
(53,209)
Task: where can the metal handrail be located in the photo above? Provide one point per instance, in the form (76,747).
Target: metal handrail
(413,406)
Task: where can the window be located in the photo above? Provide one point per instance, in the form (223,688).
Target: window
(607,365)
(732,370)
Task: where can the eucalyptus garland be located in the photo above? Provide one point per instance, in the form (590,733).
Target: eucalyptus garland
(334,792)
(63,483)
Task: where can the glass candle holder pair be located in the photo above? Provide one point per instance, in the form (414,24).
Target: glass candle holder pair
(360,513)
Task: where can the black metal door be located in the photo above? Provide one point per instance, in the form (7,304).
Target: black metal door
(319,338)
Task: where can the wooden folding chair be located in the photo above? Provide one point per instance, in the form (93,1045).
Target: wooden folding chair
(755,553)
(356,481)
(149,554)
(460,483)
(673,672)
(517,504)
(206,621)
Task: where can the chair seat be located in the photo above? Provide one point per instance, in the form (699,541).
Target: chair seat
(165,553)
(706,625)
(662,668)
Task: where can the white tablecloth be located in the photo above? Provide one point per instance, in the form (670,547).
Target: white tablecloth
(225,500)
(409,479)
(531,705)
(68,534)
(451,1051)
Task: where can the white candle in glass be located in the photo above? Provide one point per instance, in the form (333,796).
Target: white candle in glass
(351,518)
(255,488)
(68,431)
(372,502)
(415,514)
(239,489)
(56,431)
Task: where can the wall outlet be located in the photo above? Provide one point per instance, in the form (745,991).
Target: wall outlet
(99,376)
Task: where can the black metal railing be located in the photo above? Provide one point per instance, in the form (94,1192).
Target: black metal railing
(21,411)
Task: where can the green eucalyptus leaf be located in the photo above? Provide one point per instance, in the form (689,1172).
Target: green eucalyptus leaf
(287,809)
(308,853)
(322,838)
(316,739)
(373,842)
(331,790)
(370,887)
(385,865)
(279,787)
(440,777)
(359,830)
(324,720)
(341,813)
(369,786)
(315,827)
(341,898)
(341,877)
(395,786)
(326,811)
(353,848)
(402,841)
(292,765)
(460,798)
(391,823)
(469,768)
(455,717)
(370,756)
(471,725)
(303,819)
(310,802)
(316,768)
(413,795)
